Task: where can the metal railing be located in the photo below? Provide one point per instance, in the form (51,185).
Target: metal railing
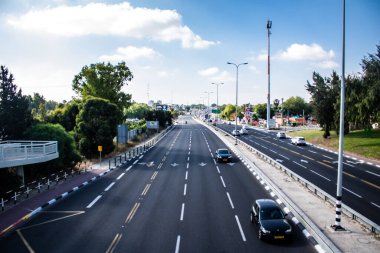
(16,153)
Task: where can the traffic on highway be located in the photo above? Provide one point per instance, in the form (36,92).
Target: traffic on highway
(174,198)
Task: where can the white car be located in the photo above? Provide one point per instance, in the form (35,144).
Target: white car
(281,135)
(235,132)
(243,131)
(298,141)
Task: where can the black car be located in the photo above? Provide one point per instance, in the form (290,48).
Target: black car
(271,220)
(223,155)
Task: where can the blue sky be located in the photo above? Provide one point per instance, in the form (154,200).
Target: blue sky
(177,48)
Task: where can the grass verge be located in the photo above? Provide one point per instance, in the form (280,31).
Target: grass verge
(356,142)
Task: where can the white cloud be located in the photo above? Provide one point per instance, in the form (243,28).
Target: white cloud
(300,52)
(223,76)
(129,53)
(326,64)
(110,19)
(209,71)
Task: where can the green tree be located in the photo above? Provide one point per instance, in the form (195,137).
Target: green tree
(68,154)
(228,110)
(136,110)
(296,106)
(323,97)
(163,117)
(66,115)
(97,125)
(261,111)
(15,116)
(104,81)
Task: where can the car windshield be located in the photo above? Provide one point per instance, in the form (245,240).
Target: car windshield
(271,214)
(223,151)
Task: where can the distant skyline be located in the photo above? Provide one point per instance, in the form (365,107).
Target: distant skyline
(176,49)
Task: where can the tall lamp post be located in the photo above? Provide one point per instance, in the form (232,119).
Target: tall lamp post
(208,100)
(338,208)
(217,94)
(269,26)
(236,104)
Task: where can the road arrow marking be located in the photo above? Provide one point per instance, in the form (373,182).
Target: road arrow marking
(304,161)
(142,163)
(202,164)
(174,164)
(150,164)
(279,160)
(231,164)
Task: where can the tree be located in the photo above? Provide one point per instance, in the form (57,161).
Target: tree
(276,103)
(104,81)
(163,117)
(228,110)
(323,96)
(136,110)
(96,125)
(261,111)
(296,106)
(68,154)
(15,116)
(66,116)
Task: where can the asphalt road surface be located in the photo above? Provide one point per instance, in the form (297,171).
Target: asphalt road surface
(174,198)
(361,181)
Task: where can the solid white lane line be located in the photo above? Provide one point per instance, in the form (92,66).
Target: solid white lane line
(146,189)
(177,244)
(224,185)
(311,151)
(284,157)
(128,168)
(109,187)
(352,192)
(241,230)
(121,175)
(373,173)
(375,205)
(184,190)
(186,175)
(328,157)
(154,175)
(114,243)
(320,175)
(27,245)
(182,211)
(94,201)
(229,198)
(135,162)
(300,165)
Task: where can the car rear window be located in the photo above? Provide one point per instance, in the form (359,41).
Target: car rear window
(271,214)
(223,151)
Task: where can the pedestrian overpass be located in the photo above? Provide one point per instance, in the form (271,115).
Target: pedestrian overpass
(15,154)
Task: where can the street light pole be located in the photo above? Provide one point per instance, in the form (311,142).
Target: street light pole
(217,94)
(236,104)
(269,26)
(208,101)
(338,208)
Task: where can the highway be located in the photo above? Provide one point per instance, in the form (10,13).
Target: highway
(174,198)
(361,181)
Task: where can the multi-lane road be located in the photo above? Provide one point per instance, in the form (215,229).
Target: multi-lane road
(361,180)
(174,198)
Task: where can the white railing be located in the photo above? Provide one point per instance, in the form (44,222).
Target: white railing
(16,153)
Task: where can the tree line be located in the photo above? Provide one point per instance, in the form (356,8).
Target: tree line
(80,125)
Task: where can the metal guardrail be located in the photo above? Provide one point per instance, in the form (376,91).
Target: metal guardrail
(14,152)
(12,197)
(375,228)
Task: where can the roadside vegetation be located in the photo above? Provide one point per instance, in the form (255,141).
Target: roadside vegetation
(361,142)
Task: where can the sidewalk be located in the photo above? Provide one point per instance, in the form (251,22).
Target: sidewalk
(14,216)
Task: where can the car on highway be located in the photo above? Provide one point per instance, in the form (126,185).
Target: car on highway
(243,131)
(271,220)
(281,135)
(298,141)
(235,132)
(223,155)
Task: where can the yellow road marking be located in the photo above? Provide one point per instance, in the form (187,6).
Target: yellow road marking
(371,184)
(325,165)
(132,213)
(144,192)
(114,243)
(326,161)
